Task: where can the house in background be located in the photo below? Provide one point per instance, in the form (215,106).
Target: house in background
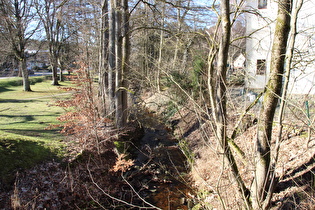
(239,62)
(260,24)
(37,59)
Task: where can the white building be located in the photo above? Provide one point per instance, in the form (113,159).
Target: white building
(260,24)
(239,62)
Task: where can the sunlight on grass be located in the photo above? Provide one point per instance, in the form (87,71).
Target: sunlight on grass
(24,117)
(43,89)
(29,113)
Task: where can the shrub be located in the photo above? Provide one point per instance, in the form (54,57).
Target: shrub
(82,119)
(19,81)
(199,65)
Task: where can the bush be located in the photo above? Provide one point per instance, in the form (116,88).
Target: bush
(198,68)
(10,82)
(18,81)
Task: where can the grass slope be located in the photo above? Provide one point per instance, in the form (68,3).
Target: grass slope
(24,141)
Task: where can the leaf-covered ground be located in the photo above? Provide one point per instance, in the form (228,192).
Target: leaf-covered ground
(158,177)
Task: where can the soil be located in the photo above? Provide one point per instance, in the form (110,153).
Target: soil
(157,179)
(175,167)
(295,169)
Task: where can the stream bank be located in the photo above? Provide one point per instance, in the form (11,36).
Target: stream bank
(160,172)
(86,179)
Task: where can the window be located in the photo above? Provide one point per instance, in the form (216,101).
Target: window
(261,67)
(262,4)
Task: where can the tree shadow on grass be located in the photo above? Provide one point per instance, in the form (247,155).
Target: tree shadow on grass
(17,155)
(303,180)
(35,132)
(16,101)
(4,89)
(28,118)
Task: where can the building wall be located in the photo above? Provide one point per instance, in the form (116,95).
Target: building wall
(303,75)
(259,29)
(37,59)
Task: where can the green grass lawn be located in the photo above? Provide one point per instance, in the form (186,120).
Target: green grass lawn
(24,141)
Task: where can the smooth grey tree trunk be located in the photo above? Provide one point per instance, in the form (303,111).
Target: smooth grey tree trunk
(20,55)
(23,69)
(118,50)
(288,65)
(54,68)
(103,57)
(111,58)
(125,60)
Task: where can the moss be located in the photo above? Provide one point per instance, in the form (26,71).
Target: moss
(121,146)
(190,156)
(170,110)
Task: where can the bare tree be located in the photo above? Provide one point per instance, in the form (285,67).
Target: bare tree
(122,60)
(118,60)
(103,54)
(111,57)
(52,17)
(220,40)
(217,85)
(273,90)
(125,61)
(17,16)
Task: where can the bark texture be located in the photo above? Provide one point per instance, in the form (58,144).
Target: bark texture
(111,58)
(121,15)
(125,60)
(103,56)
(15,17)
(220,114)
(261,182)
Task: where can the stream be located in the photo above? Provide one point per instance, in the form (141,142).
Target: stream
(161,169)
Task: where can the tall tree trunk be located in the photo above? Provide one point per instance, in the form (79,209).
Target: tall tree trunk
(111,57)
(220,112)
(54,68)
(118,50)
(20,48)
(23,69)
(20,55)
(273,90)
(103,57)
(179,27)
(288,65)
(186,55)
(180,21)
(125,60)
(158,76)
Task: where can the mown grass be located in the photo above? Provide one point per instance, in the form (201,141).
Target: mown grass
(18,81)
(24,117)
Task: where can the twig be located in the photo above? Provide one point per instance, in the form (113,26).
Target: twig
(154,207)
(96,201)
(244,113)
(117,199)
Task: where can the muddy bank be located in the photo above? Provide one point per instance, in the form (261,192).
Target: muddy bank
(160,173)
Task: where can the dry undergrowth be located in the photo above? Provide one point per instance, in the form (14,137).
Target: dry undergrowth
(54,186)
(211,176)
